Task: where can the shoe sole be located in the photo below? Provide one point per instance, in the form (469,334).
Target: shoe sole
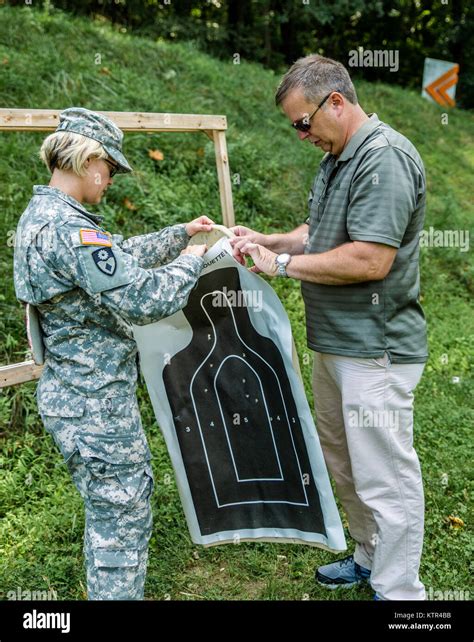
(338,586)
(328,584)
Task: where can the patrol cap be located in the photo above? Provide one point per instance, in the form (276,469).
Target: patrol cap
(78,120)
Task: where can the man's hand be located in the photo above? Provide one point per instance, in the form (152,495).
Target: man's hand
(263,258)
(196,250)
(201,224)
(244,235)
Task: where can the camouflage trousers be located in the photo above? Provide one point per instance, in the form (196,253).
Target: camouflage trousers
(106,452)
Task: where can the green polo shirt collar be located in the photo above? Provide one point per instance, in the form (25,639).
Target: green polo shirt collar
(358,138)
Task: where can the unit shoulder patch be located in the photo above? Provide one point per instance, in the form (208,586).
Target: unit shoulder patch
(105,261)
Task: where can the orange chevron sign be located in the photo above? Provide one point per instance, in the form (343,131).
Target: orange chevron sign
(437,89)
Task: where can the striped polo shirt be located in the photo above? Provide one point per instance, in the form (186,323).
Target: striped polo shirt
(374,191)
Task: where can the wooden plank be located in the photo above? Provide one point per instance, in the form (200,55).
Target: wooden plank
(47,120)
(209,134)
(19,373)
(223,174)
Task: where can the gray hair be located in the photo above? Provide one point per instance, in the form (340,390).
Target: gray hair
(69,151)
(316,76)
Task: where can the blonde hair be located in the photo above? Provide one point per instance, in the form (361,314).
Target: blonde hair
(69,151)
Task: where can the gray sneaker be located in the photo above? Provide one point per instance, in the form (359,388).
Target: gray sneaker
(343,573)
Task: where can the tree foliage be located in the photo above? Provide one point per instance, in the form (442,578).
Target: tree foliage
(277,32)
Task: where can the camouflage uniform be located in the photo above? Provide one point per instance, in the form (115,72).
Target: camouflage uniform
(89,287)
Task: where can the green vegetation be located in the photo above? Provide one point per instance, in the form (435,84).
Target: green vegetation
(277,32)
(49,62)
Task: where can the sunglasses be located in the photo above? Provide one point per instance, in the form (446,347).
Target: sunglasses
(304,124)
(113,168)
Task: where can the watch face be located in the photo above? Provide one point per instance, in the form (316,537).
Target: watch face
(283,259)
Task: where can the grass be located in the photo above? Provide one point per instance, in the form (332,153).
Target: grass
(41,517)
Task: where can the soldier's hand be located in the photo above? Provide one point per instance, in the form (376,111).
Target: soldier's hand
(201,224)
(196,250)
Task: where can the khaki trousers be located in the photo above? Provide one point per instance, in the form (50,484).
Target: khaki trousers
(364,413)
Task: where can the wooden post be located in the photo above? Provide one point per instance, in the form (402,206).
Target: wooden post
(223,174)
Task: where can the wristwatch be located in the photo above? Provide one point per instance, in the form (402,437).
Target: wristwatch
(282,261)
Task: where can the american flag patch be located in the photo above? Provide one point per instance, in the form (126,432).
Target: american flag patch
(93,237)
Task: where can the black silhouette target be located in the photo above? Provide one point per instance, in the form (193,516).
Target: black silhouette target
(236,419)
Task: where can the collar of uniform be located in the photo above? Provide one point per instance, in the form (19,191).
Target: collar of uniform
(46,190)
(358,138)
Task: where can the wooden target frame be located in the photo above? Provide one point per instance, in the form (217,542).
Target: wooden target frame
(47,120)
